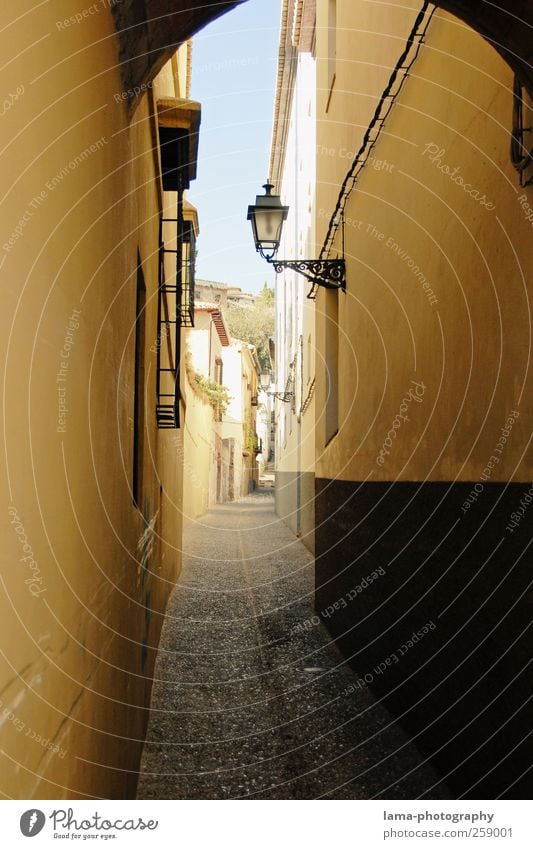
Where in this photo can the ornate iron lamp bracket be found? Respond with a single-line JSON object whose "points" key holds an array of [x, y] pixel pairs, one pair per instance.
{"points": [[286, 397], [329, 273]]}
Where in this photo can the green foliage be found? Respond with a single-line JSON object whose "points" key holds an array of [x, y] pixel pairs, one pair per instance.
{"points": [[267, 296], [254, 324], [251, 439], [217, 394]]}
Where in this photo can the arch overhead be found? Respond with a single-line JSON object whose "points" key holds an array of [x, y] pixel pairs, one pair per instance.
{"points": [[507, 24], [150, 32]]}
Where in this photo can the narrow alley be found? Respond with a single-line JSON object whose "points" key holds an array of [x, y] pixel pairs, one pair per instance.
{"points": [[267, 401], [251, 697]]}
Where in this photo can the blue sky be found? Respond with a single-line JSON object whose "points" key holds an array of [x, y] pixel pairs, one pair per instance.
{"points": [[233, 76]]}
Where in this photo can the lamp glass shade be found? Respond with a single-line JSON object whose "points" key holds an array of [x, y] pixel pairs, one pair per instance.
{"points": [[267, 216], [265, 378]]}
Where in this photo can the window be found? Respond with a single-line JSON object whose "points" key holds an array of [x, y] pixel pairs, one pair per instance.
{"points": [[521, 157], [139, 389], [218, 370]]}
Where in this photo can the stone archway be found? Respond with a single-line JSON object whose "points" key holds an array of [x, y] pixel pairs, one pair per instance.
{"points": [[507, 24], [150, 32]]}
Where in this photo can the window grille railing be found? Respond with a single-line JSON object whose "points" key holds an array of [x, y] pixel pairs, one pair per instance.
{"points": [[175, 310]]}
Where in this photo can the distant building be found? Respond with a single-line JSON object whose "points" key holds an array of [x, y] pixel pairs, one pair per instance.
{"points": [[206, 340], [210, 291], [222, 294], [239, 423], [221, 443], [240, 298], [207, 455]]}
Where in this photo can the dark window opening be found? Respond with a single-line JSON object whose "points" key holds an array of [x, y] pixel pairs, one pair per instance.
{"points": [[219, 370], [521, 157]]}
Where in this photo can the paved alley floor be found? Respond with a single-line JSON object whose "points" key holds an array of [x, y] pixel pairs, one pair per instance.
{"points": [[248, 705]]}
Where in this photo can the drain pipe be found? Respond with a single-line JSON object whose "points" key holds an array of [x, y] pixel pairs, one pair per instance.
{"points": [[299, 323], [299, 442]]}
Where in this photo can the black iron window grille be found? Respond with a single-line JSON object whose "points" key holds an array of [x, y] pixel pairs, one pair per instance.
{"points": [[521, 157], [168, 342], [175, 309], [179, 122], [186, 299]]}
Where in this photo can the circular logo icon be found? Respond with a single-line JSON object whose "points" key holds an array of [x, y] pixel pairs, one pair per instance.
{"points": [[32, 822]]}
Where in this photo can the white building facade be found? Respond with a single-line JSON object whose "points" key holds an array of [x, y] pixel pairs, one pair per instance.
{"points": [[293, 173]]}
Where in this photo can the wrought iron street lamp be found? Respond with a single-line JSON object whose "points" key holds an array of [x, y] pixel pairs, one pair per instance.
{"points": [[267, 216], [265, 379]]}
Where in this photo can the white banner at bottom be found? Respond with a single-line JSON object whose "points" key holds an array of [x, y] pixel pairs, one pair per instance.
{"points": [[262, 824]]}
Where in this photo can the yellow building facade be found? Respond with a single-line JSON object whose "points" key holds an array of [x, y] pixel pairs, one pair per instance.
{"points": [[424, 411], [422, 406], [92, 481]]}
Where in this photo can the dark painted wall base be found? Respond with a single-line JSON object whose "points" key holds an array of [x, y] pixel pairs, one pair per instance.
{"points": [[287, 499], [394, 559]]}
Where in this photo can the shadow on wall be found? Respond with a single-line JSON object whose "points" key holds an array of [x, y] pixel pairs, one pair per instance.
{"points": [[442, 633]]}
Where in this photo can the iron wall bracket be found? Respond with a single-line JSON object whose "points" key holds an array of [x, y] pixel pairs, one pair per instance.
{"points": [[329, 273]]}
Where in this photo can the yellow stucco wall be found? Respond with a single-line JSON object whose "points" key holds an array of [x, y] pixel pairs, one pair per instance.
{"points": [[250, 471], [466, 347], [197, 447], [76, 658]]}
